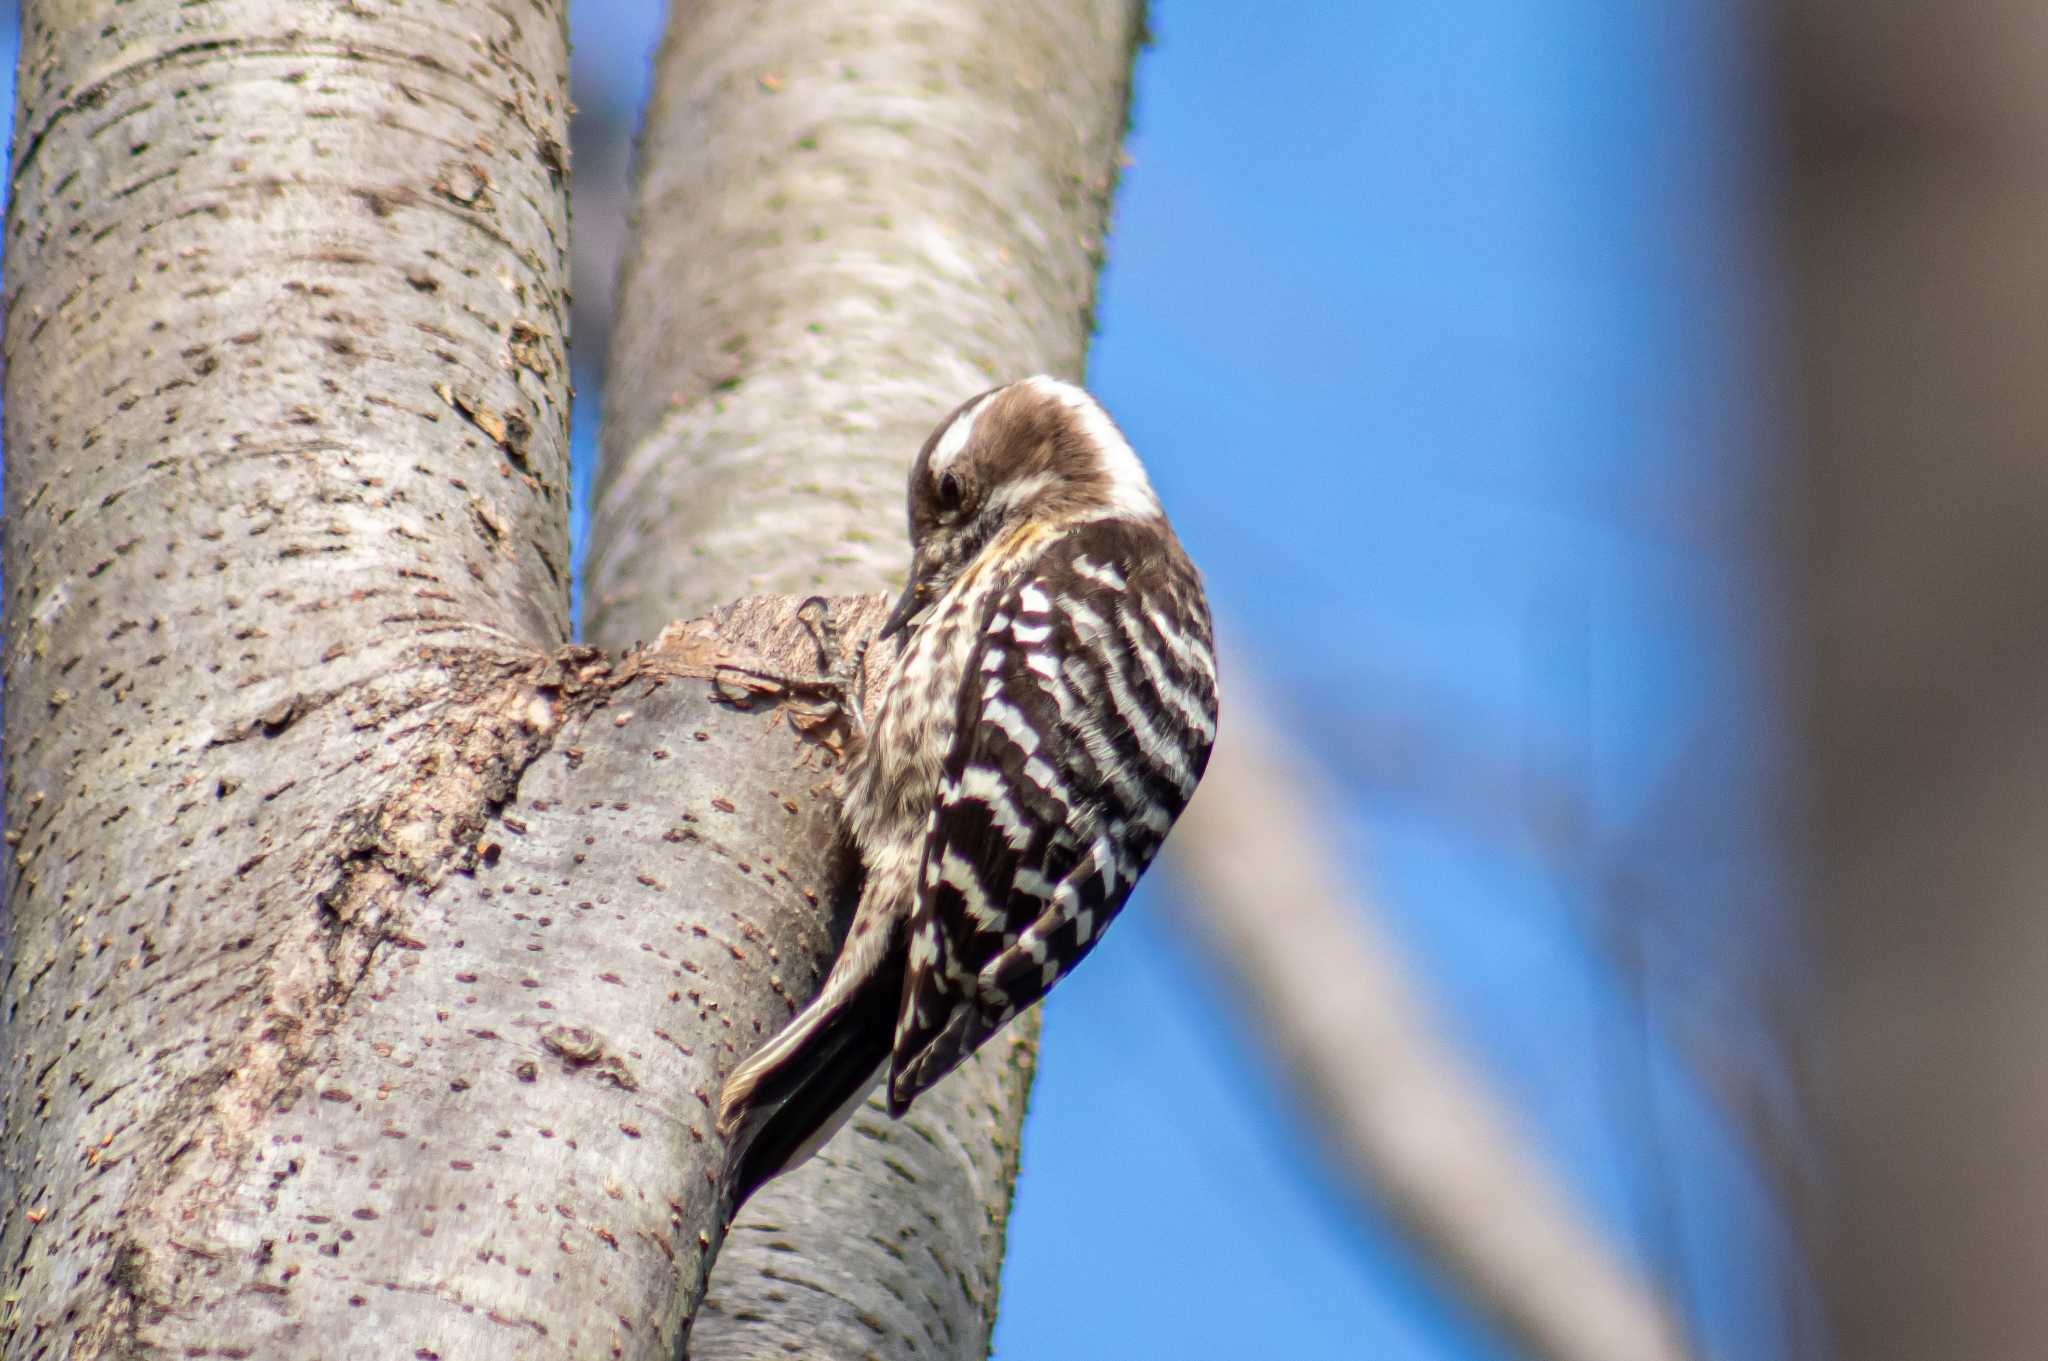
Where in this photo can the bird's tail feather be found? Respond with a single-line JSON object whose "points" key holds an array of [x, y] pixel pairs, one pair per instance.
{"points": [[786, 1100]]}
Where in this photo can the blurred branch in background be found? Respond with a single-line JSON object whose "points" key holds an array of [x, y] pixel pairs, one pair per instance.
{"points": [[1720, 984], [1403, 1114], [1917, 226]]}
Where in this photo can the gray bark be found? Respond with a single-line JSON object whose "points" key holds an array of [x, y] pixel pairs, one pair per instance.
{"points": [[849, 217], [271, 277], [1918, 190], [372, 959]]}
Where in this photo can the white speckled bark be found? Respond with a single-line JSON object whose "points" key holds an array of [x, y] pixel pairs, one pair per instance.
{"points": [[287, 469], [371, 959]]}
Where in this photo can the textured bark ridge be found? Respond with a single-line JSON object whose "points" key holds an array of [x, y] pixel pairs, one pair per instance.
{"points": [[851, 215]]}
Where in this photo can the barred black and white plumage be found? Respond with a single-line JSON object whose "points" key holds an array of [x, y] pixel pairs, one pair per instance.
{"points": [[1037, 735]]}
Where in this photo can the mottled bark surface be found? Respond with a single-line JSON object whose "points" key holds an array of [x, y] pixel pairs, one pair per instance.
{"points": [[850, 216], [1920, 272], [286, 459], [358, 997]]}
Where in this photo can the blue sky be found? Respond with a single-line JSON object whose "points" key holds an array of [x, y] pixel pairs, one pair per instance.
{"points": [[1437, 324], [1440, 327]]}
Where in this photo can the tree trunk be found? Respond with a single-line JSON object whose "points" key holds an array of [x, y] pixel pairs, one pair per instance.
{"points": [[287, 447], [1920, 309], [372, 959], [849, 217]]}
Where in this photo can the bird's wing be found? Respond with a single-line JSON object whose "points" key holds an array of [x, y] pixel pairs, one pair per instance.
{"points": [[1085, 721]]}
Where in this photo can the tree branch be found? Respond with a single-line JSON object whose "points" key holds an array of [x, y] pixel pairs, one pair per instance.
{"points": [[1405, 1116]]}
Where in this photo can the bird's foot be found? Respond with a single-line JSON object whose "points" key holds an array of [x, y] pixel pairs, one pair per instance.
{"points": [[837, 686]]}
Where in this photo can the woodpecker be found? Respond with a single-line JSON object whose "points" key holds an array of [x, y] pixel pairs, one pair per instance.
{"points": [[1038, 731]]}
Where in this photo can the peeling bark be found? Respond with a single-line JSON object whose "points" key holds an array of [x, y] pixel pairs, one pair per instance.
{"points": [[850, 215]]}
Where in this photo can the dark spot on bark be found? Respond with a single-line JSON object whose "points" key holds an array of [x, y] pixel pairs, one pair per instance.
{"points": [[575, 1044], [279, 716]]}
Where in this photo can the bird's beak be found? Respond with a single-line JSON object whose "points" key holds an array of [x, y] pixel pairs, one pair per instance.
{"points": [[915, 596], [928, 581]]}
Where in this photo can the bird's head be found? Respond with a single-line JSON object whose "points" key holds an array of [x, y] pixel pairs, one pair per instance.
{"points": [[1038, 452]]}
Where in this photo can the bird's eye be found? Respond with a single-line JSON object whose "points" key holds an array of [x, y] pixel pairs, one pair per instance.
{"points": [[949, 494]]}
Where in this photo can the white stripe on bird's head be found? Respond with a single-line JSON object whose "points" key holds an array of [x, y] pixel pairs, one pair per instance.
{"points": [[1130, 490]]}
